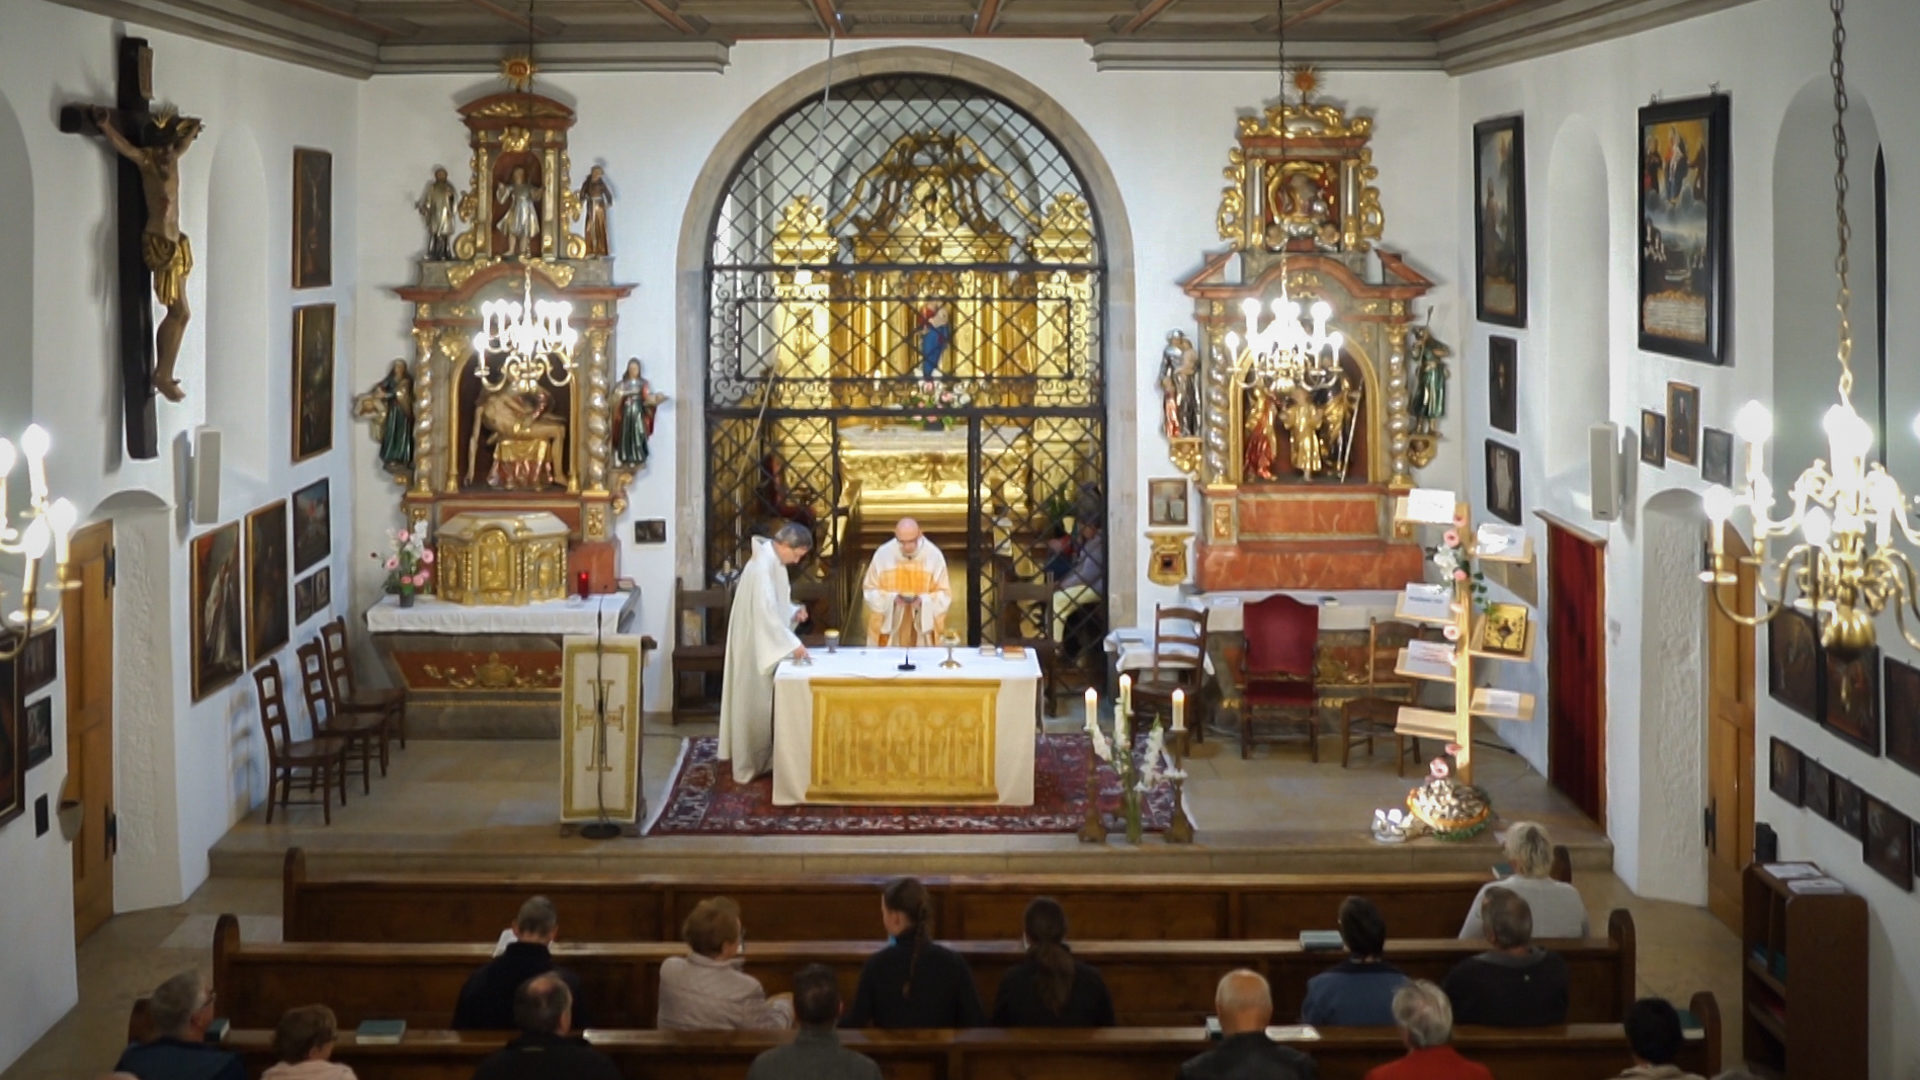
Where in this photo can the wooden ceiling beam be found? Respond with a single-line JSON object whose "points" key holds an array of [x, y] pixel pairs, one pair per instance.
{"points": [[1454, 22], [513, 17], [345, 17], [1146, 15], [666, 14], [1320, 8], [984, 18]]}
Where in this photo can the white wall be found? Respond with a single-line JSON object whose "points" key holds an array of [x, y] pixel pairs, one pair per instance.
{"points": [[185, 771]]}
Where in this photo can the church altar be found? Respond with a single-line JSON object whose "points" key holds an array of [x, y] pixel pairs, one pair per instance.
{"points": [[913, 471], [852, 728], [479, 671]]}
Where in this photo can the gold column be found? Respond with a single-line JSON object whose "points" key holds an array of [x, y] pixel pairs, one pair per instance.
{"points": [[425, 451]]}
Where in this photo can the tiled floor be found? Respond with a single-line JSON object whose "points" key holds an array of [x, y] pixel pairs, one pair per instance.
{"points": [[489, 805]]}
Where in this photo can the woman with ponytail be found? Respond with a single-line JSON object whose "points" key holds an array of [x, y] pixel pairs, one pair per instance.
{"points": [[913, 982], [1051, 989]]}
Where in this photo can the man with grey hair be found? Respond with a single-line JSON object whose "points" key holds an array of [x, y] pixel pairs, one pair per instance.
{"points": [[181, 1011], [1425, 1018], [759, 636], [487, 1000], [547, 1048], [1514, 984], [1558, 910], [1244, 1004]]}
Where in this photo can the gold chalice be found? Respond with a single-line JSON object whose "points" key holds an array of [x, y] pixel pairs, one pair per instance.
{"points": [[950, 641]]}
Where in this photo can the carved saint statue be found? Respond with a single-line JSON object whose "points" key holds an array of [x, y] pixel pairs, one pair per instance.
{"points": [[1179, 386], [390, 406], [935, 336], [1302, 420], [528, 444], [1336, 424], [1300, 209], [165, 249], [596, 195], [437, 205], [1260, 445], [633, 422], [1426, 359], [521, 221]]}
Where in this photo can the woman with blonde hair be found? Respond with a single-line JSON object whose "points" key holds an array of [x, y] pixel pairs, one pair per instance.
{"points": [[303, 1041], [705, 990], [1558, 910]]}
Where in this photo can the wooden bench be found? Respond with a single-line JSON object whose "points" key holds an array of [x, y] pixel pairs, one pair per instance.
{"points": [[1556, 1053], [826, 907], [699, 637], [1154, 983]]}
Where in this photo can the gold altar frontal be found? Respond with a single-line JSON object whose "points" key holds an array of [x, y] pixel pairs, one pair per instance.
{"points": [[920, 742]]}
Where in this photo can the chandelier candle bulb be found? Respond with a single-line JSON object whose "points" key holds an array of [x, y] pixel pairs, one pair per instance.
{"points": [[34, 443], [61, 515], [7, 459]]}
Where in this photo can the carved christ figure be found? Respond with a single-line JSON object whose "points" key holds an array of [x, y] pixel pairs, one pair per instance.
{"points": [[164, 248], [521, 222]]}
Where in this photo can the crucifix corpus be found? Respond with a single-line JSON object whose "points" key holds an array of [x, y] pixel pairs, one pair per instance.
{"points": [[152, 251]]}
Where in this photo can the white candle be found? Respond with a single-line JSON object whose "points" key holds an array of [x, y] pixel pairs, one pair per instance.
{"points": [[1126, 692], [1179, 710], [1093, 708]]}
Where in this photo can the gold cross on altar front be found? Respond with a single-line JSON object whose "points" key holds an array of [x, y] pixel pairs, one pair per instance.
{"points": [[585, 715]]}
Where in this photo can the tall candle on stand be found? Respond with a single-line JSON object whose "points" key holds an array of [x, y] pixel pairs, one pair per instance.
{"points": [[1126, 692], [1179, 709], [1093, 709]]}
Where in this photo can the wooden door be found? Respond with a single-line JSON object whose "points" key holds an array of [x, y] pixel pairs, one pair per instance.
{"points": [[1577, 668], [88, 615], [1730, 780]]}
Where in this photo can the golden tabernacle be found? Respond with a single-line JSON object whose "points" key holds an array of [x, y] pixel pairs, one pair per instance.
{"points": [[510, 559], [888, 742]]}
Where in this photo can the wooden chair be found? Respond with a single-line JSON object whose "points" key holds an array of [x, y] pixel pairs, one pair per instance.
{"points": [[699, 636], [364, 732], [349, 699], [822, 600], [1020, 625], [322, 758], [1179, 663], [1375, 712], [1283, 636]]}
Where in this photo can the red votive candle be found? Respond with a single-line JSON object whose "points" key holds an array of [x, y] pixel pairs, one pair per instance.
{"points": [[580, 584]]}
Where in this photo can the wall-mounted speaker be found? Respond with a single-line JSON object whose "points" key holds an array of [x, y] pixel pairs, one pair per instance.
{"points": [[206, 475], [1603, 470]]}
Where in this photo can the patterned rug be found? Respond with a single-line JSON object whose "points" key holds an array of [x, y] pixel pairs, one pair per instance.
{"points": [[704, 800]]}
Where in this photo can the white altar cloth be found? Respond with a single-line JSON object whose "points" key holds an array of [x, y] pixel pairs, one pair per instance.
{"points": [[1016, 708], [609, 613]]}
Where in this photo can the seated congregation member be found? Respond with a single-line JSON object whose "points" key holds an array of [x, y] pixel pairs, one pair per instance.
{"points": [[1514, 984], [547, 1049], [1655, 1034], [1359, 992], [1426, 1026], [1051, 988], [815, 1053], [181, 1010], [1244, 1004], [913, 982], [705, 990], [486, 1001], [303, 1041], [1558, 910]]}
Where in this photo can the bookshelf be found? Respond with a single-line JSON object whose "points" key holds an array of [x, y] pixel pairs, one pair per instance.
{"points": [[1803, 994], [1469, 648]]}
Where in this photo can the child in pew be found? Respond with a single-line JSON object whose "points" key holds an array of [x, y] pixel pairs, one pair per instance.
{"points": [[1359, 992], [303, 1040]]}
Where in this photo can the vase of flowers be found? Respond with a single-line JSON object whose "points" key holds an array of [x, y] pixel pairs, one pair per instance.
{"points": [[410, 565], [934, 402], [1139, 772], [1457, 567]]}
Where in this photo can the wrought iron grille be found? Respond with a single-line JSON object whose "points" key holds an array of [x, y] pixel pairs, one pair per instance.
{"points": [[913, 253]]}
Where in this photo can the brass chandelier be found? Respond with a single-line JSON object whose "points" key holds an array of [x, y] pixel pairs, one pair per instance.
{"points": [[1844, 568], [534, 338], [48, 525]]}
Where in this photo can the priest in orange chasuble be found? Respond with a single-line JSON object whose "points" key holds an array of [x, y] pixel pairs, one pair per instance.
{"points": [[906, 590]]}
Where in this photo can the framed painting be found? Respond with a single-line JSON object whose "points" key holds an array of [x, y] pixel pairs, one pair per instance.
{"points": [[312, 218], [1849, 807], [1816, 787], [219, 646], [1902, 683], [39, 661], [1653, 439], [1888, 844], [1783, 771], [1503, 482], [1793, 662], [267, 627], [312, 380], [1716, 456], [1167, 503], [1503, 384], [1500, 221], [39, 737], [1683, 423], [1683, 296], [312, 595], [312, 529], [13, 751], [1850, 699]]}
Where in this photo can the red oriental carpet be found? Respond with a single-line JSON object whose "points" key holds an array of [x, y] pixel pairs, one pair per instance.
{"points": [[704, 800]]}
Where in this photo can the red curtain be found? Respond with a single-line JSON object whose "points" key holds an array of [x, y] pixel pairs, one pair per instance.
{"points": [[1576, 669]]}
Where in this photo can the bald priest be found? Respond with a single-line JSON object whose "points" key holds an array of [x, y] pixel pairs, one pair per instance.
{"points": [[906, 590]]}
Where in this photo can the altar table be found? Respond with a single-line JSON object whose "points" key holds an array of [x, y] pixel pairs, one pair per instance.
{"points": [[852, 728]]}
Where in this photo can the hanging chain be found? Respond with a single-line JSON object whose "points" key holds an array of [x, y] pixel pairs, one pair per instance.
{"points": [[1844, 303]]}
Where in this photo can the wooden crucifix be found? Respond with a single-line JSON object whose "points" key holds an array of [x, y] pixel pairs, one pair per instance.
{"points": [[153, 255]]}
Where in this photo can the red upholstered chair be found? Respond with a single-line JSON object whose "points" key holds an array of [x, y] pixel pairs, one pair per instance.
{"points": [[1282, 637]]}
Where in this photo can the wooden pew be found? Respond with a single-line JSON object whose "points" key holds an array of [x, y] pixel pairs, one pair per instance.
{"points": [[1559, 1053], [1154, 983], [824, 907]]}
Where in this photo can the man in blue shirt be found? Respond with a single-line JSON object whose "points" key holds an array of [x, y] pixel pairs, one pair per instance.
{"points": [[181, 1011], [1359, 992]]}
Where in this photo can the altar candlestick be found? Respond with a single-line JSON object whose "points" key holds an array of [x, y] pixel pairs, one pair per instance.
{"points": [[1179, 709], [1126, 692], [1093, 708]]}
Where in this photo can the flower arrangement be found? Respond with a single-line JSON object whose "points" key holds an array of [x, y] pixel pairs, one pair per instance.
{"points": [[1456, 565], [1140, 772], [1448, 808], [410, 566], [933, 401]]}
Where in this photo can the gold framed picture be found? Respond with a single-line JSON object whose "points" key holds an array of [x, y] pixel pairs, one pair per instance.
{"points": [[312, 218], [312, 380], [1504, 629]]}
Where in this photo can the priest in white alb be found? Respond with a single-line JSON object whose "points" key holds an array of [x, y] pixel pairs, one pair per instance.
{"points": [[906, 590], [759, 635]]}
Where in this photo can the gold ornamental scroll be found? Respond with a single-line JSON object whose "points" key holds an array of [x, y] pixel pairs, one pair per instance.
{"points": [[927, 741]]}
